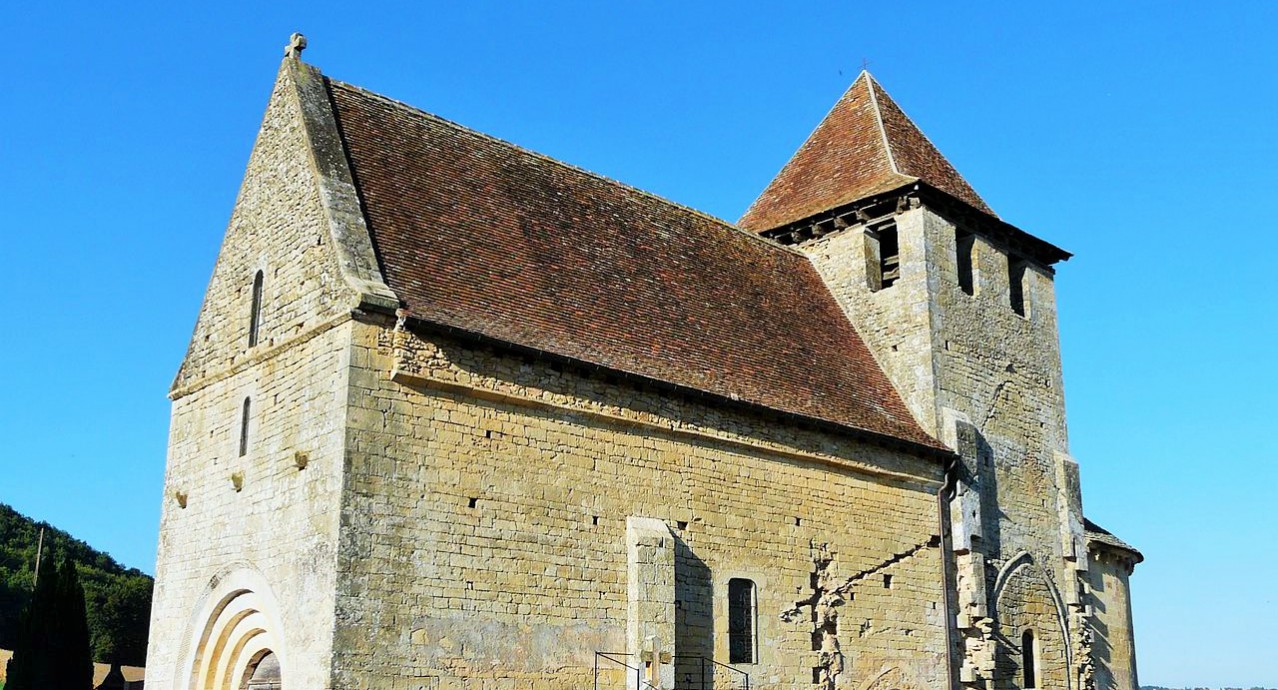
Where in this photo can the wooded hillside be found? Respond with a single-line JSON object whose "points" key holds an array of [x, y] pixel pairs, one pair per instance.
{"points": [[118, 599]]}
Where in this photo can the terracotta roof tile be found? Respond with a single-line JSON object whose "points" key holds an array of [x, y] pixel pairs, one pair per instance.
{"points": [[477, 234], [866, 145]]}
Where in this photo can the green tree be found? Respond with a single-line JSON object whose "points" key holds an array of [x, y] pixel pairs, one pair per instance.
{"points": [[118, 599], [75, 660], [52, 650], [32, 663]]}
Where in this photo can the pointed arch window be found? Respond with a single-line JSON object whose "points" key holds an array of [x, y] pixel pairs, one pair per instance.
{"points": [[255, 310], [1029, 666]]}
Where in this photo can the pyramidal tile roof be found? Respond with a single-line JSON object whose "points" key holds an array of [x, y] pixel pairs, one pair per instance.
{"points": [[866, 145], [483, 237]]}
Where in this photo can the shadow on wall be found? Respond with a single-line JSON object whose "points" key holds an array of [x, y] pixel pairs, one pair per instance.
{"points": [[694, 614], [1102, 650]]}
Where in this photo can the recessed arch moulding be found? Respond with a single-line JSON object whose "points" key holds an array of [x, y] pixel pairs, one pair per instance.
{"points": [[236, 624]]}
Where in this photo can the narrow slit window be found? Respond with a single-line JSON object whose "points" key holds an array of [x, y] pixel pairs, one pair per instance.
{"points": [[1016, 284], [965, 246], [742, 612], [255, 310], [244, 429], [1029, 671], [882, 256]]}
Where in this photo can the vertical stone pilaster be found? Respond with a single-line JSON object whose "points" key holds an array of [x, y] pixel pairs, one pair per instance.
{"points": [[972, 617], [1069, 505], [650, 610]]}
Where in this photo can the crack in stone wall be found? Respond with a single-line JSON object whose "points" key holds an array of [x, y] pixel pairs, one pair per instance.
{"points": [[828, 595]]}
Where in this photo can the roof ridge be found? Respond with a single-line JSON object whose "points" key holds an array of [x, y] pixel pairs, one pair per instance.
{"points": [[878, 113], [564, 164], [871, 82]]}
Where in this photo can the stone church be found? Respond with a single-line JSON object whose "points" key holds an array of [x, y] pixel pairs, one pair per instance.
{"points": [[458, 415]]}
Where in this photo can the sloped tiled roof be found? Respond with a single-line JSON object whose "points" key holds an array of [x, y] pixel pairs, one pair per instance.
{"points": [[477, 234], [1099, 535], [865, 146]]}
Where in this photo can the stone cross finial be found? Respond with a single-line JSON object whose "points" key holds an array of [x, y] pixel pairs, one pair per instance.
{"points": [[296, 44]]}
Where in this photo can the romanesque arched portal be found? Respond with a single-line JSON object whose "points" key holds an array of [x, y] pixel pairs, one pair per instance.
{"points": [[235, 643]]}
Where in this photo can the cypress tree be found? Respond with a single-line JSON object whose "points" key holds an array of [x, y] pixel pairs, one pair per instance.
{"points": [[31, 666], [52, 645], [73, 650]]}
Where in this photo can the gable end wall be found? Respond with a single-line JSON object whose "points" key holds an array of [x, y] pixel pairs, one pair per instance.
{"points": [[268, 519]]}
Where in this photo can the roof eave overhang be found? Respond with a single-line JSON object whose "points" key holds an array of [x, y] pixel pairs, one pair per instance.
{"points": [[1008, 236], [1115, 545]]}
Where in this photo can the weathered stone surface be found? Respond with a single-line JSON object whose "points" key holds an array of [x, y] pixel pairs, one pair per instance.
{"points": [[1114, 641], [987, 380], [412, 508], [542, 460], [276, 537]]}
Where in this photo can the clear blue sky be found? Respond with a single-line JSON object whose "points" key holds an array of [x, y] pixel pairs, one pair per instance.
{"points": [[1140, 136]]}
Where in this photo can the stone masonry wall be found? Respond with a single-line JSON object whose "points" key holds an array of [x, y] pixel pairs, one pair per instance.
{"points": [[1025, 602], [1115, 643], [281, 525], [895, 322], [961, 359], [278, 227], [1002, 371], [484, 529], [258, 530]]}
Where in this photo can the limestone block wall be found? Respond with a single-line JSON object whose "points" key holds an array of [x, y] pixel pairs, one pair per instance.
{"points": [[896, 322], [1114, 647], [1002, 370], [971, 362], [1025, 602], [279, 227], [248, 541], [651, 593], [484, 529], [257, 524]]}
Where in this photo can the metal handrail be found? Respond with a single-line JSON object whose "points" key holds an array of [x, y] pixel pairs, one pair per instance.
{"points": [[640, 683], [744, 677], [619, 658]]}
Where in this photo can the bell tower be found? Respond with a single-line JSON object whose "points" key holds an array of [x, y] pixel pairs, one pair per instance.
{"points": [[959, 309]]}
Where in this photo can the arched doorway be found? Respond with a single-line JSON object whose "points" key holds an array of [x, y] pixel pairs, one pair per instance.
{"points": [[263, 674], [236, 647]]}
